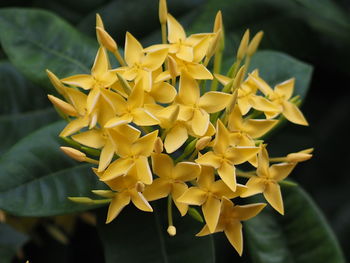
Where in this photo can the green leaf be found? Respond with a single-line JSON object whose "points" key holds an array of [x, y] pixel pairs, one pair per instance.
{"points": [[10, 242], [136, 236], [302, 235], [36, 177], [23, 106], [35, 40], [276, 67]]}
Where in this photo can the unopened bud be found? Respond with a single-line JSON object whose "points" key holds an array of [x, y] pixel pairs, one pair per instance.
{"points": [[158, 145], [63, 106], [298, 157], [81, 200], [172, 67], [125, 85], [106, 40], [242, 49], [171, 231], [163, 12], [254, 44], [238, 78], [99, 22], [218, 25], [203, 142], [74, 153], [140, 187], [2, 216], [214, 44], [56, 82]]}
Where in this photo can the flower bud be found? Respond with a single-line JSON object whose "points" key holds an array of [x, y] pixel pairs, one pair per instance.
{"points": [[203, 142], [56, 82], [254, 44], [158, 145], [74, 153], [63, 106], [106, 40], [301, 156], [218, 25], [214, 44], [171, 231], [172, 67], [242, 49], [163, 12]]}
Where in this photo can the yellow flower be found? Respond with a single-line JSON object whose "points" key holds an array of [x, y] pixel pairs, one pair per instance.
{"points": [[224, 157], [280, 96], [140, 66], [171, 179], [107, 139], [133, 154], [208, 194], [246, 96], [131, 110], [267, 179], [101, 77], [230, 221], [127, 188], [195, 109], [190, 49], [243, 131]]}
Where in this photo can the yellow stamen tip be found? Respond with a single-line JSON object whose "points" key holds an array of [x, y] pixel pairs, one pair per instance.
{"points": [[171, 231]]}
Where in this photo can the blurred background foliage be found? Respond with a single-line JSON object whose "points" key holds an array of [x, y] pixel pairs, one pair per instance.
{"points": [[314, 31]]}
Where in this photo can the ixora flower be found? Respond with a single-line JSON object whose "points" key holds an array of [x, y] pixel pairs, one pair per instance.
{"points": [[160, 126]]}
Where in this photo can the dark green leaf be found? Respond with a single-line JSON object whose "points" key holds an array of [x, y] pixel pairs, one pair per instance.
{"points": [[302, 235], [10, 242], [36, 177], [35, 40], [23, 106], [136, 236]]}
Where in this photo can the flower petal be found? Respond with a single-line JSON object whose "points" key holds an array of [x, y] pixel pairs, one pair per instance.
{"points": [[233, 232], [82, 81], [211, 211], [91, 138], [145, 145], [175, 30], [175, 138], [140, 201], [198, 71], [257, 128], [186, 171], [255, 185], [154, 60], [133, 50], [210, 159], [159, 188], [144, 173], [143, 117], [101, 63], [273, 196], [74, 126], [280, 171], [285, 89], [193, 196], [117, 168], [162, 165], [106, 156], [163, 92], [214, 101], [116, 206], [92, 99], [227, 173], [293, 114], [185, 53], [188, 90], [178, 189], [200, 122]]}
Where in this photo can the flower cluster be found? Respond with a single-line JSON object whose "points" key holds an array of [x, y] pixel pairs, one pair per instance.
{"points": [[160, 127]]}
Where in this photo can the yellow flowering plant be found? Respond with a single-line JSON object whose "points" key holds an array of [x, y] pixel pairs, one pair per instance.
{"points": [[166, 123]]}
